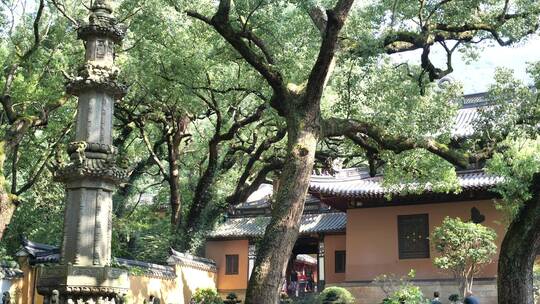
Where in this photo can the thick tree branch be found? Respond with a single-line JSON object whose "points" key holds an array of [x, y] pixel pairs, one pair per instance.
{"points": [[432, 33], [249, 35], [36, 174], [319, 18], [62, 9], [220, 22], [242, 192], [254, 158], [319, 73], [151, 151], [350, 128], [242, 123], [7, 105], [14, 165], [37, 37]]}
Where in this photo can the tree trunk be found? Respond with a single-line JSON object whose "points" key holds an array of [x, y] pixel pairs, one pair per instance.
{"points": [[121, 196], [7, 205], [7, 208], [282, 232], [518, 253], [462, 283], [8, 145], [174, 184], [174, 139]]}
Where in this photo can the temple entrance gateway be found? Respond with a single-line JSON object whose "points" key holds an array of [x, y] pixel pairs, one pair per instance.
{"points": [[233, 245], [304, 273]]}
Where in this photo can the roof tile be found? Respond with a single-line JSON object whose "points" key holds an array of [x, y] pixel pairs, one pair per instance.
{"points": [[255, 226], [361, 187]]}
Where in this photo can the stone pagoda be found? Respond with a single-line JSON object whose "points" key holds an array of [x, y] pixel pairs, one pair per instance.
{"points": [[85, 274]]}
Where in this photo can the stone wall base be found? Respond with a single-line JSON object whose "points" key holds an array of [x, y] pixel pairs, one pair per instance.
{"points": [[371, 293], [82, 284]]}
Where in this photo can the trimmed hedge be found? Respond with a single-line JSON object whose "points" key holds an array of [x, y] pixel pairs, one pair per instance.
{"points": [[335, 295]]}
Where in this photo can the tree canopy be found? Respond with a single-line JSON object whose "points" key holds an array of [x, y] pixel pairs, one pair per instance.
{"points": [[227, 95]]}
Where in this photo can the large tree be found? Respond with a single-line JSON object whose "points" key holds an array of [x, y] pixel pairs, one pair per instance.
{"points": [[34, 118], [377, 28], [201, 119], [215, 87]]}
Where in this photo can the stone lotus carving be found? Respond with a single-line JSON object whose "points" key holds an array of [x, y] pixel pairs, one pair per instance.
{"points": [[97, 300], [98, 73], [101, 23], [92, 160], [95, 76]]}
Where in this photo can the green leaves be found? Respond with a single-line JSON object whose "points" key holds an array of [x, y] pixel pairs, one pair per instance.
{"points": [[207, 296], [518, 162], [388, 95], [335, 295], [415, 171], [463, 247]]}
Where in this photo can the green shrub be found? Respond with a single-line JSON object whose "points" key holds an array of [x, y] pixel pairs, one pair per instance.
{"points": [[463, 248], [232, 298], [207, 296], [453, 298], [409, 294], [335, 295], [400, 290]]}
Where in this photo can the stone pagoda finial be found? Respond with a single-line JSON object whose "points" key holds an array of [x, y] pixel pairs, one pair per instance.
{"points": [[85, 274], [102, 5]]}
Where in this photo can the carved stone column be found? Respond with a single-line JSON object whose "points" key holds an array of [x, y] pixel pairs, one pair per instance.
{"points": [[252, 255], [84, 274], [320, 265]]}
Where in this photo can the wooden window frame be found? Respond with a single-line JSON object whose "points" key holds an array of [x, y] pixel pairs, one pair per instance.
{"points": [[338, 269], [425, 253], [235, 264]]}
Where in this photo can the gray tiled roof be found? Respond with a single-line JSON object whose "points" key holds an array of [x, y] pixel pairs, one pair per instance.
{"points": [[255, 226], [39, 253], [463, 122], [10, 272], [475, 100], [465, 117], [149, 269], [184, 259], [43, 254], [311, 202], [258, 204], [367, 187]]}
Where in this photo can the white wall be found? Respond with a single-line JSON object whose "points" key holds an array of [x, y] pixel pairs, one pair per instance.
{"points": [[4, 286]]}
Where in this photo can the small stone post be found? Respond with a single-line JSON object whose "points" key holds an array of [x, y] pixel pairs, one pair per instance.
{"points": [[84, 274]]}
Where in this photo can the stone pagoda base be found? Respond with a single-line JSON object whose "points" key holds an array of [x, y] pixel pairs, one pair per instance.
{"points": [[68, 284]]}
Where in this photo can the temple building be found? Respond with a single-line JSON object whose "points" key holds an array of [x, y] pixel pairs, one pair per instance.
{"points": [[356, 229]]}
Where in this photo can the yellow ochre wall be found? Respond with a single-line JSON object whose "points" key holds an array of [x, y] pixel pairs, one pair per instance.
{"points": [[333, 243], [188, 280], [16, 290], [217, 250], [24, 288], [170, 290], [372, 239]]}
